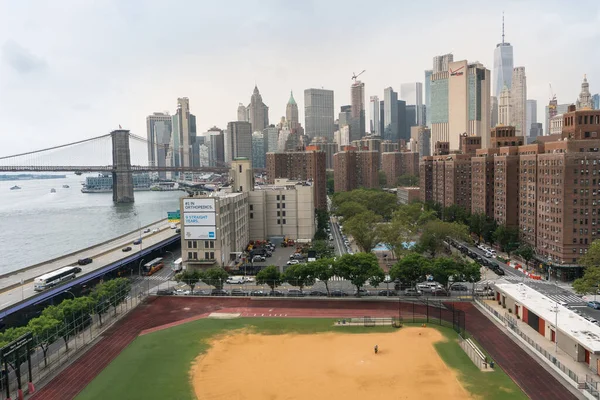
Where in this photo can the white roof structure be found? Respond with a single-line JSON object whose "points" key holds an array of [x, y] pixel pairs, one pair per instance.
{"points": [[569, 323]]}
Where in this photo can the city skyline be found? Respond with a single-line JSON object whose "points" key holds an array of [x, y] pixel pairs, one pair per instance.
{"points": [[56, 74]]}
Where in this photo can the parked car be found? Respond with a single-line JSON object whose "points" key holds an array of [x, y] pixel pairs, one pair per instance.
{"points": [[387, 293], [594, 304], [412, 292], [276, 293], [125, 249], [137, 241], [257, 293], [459, 287], [238, 292], [84, 261], [483, 291], [499, 271], [440, 292], [235, 280], [338, 293], [258, 258], [293, 262], [218, 292], [362, 293], [295, 293], [164, 292], [317, 293]]}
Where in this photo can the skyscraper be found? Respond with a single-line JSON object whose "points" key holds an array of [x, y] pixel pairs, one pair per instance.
{"points": [[412, 94], [374, 114], [596, 101], [428, 74], [441, 63], [215, 141], [357, 114], [585, 98], [493, 111], [291, 112], [531, 116], [183, 136], [403, 121], [552, 110], [158, 131], [258, 150], [505, 107], [390, 123], [460, 103], [518, 97], [258, 112], [271, 139], [318, 113], [503, 65], [238, 140], [242, 113]]}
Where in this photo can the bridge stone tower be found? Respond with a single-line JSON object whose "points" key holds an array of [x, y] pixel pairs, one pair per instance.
{"points": [[122, 176]]}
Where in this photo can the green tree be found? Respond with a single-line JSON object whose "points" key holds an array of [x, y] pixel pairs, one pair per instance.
{"points": [[477, 223], [592, 257], [45, 332], [393, 234], [407, 180], [330, 182], [360, 268], [215, 276], [322, 224], [382, 179], [322, 248], [413, 217], [443, 268], [434, 234], [299, 275], [323, 270], [374, 200], [190, 277], [269, 276], [114, 291], [526, 253], [456, 213], [507, 238], [101, 302], [590, 282], [72, 313], [489, 227], [364, 230], [349, 209], [410, 269]]}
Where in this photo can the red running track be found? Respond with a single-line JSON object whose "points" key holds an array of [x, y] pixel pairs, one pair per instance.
{"points": [[535, 381]]}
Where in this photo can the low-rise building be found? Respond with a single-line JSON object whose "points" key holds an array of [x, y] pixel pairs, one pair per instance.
{"points": [[407, 195]]}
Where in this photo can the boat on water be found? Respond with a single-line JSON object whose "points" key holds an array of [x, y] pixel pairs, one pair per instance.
{"points": [[16, 187], [52, 190], [66, 186]]}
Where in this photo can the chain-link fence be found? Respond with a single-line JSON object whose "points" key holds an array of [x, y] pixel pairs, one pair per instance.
{"points": [[62, 344]]}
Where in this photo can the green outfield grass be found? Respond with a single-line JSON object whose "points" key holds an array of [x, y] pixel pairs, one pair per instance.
{"points": [[157, 365]]}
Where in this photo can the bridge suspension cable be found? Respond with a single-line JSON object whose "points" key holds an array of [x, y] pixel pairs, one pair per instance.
{"points": [[55, 147]]}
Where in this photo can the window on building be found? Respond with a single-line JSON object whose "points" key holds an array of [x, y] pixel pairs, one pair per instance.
{"points": [[206, 255], [277, 205], [278, 197], [206, 244], [283, 197], [251, 207], [251, 215], [190, 256], [278, 222], [278, 213], [212, 255], [282, 205], [284, 221], [240, 168], [195, 255], [283, 213]]}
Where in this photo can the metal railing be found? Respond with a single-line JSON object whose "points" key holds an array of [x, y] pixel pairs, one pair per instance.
{"points": [[476, 355]]}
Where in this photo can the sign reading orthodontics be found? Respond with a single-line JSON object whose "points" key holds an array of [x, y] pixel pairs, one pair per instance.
{"points": [[199, 219]]}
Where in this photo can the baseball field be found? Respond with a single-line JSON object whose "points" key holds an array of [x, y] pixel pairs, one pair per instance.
{"points": [[296, 358]]}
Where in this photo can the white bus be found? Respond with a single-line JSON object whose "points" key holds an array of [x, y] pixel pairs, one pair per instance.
{"points": [[54, 278], [177, 265]]}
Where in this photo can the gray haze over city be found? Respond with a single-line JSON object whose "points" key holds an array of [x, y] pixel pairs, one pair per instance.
{"points": [[72, 69]]}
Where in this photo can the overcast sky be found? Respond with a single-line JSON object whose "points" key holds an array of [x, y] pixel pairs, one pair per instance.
{"points": [[73, 69]]}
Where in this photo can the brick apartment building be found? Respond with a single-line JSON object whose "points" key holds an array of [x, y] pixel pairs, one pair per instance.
{"points": [[549, 190], [396, 164], [301, 166], [329, 148], [354, 169], [502, 136]]}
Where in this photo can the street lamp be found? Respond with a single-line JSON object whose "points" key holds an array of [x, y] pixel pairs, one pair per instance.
{"points": [[140, 267], [71, 293]]}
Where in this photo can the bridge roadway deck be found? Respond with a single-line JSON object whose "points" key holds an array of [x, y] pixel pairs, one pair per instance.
{"points": [[12, 292]]}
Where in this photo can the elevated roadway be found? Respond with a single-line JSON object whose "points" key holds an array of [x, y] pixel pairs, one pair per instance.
{"points": [[106, 257]]}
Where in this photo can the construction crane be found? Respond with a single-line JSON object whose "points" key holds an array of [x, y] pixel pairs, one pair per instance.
{"points": [[354, 76], [552, 94]]}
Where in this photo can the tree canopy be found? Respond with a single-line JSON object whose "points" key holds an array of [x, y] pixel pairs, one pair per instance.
{"points": [[299, 275], [190, 277], [407, 180], [592, 257], [507, 238], [215, 276], [434, 233], [269, 276], [323, 269], [411, 269], [374, 200], [589, 283], [364, 230], [360, 268]]}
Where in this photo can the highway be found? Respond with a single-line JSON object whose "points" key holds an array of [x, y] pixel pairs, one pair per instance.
{"points": [[102, 255]]}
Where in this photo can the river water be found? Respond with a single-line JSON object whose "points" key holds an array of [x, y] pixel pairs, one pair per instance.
{"points": [[36, 225]]}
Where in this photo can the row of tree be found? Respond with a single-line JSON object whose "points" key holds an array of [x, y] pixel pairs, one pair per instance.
{"points": [[64, 320]]}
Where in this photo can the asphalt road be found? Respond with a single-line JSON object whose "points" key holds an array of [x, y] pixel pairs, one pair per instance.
{"points": [[114, 254]]}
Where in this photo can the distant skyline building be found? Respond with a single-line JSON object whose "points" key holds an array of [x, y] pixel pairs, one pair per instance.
{"points": [[503, 65], [258, 150], [374, 115], [412, 94], [271, 139], [318, 113], [238, 140], [242, 113], [505, 107], [214, 140], [518, 97], [441, 63], [181, 148], [291, 112], [494, 111], [427, 88], [258, 112], [158, 134], [552, 110], [596, 101], [585, 97], [531, 116], [390, 113], [460, 103], [357, 113]]}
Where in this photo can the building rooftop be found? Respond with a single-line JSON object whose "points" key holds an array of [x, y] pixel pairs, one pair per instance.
{"points": [[570, 323]]}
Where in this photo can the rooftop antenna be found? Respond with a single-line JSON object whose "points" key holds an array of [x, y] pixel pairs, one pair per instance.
{"points": [[502, 27]]}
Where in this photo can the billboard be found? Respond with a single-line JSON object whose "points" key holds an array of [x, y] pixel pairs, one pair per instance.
{"points": [[198, 205], [173, 216], [200, 233], [199, 219]]}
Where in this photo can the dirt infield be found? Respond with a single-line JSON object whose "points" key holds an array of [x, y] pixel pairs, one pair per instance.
{"points": [[535, 381], [327, 366]]}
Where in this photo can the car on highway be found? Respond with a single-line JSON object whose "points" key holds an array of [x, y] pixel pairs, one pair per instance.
{"points": [[498, 270], [178, 230], [147, 230], [155, 230], [439, 292], [84, 261], [137, 241], [412, 292], [125, 249], [293, 262], [164, 292], [173, 226], [594, 304]]}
